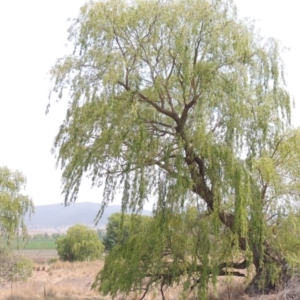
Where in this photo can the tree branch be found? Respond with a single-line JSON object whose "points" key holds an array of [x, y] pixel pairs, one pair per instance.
{"points": [[160, 109]]}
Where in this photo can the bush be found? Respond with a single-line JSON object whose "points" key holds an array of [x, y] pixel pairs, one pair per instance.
{"points": [[23, 268], [79, 244], [52, 260], [14, 267]]}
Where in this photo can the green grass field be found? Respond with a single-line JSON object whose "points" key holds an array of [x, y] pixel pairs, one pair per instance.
{"points": [[35, 244], [41, 244]]}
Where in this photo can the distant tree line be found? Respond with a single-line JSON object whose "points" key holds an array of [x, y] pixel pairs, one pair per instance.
{"points": [[45, 235]]}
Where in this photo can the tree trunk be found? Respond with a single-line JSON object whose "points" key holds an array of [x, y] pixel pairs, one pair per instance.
{"points": [[271, 275], [256, 288]]}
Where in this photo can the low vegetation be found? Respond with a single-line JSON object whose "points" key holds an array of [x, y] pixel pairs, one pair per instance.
{"points": [[14, 267], [79, 244], [72, 281], [58, 280]]}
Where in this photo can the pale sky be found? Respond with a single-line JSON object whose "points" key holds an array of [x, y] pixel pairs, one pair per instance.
{"points": [[33, 34]]}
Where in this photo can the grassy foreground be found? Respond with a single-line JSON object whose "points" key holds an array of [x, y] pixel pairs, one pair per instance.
{"points": [[60, 280], [72, 281]]}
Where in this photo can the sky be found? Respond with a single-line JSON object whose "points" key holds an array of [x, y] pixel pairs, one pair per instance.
{"points": [[33, 35]]}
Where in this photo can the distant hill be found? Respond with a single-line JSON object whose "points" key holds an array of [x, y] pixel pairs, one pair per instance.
{"points": [[58, 216]]}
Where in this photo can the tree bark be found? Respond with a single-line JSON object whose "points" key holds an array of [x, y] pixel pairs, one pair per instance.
{"points": [[264, 282]]}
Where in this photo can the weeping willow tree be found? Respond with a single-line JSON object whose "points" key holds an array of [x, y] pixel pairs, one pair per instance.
{"points": [[13, 207], [182, 103]]}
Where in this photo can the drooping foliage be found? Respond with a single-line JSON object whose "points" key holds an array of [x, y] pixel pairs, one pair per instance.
{"points": [[79, 244], [14, 206], [120, 226], [181, 102], [164, 251]]}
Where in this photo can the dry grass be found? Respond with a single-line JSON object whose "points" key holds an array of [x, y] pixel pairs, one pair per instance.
{"points": [[61, 280], [229, 288], [72, 281], [226, 289], [291, 291]]}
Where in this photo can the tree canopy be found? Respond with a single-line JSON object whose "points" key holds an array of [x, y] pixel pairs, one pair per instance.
{"points": [[120, 226], [184, 103], [14, 206], [79, 244]]}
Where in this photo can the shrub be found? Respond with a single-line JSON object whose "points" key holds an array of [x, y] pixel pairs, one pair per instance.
{"points": [[79, 244], [14, 267]]}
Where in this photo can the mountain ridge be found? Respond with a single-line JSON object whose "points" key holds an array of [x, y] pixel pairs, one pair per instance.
{"points": [[58, 216]]}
